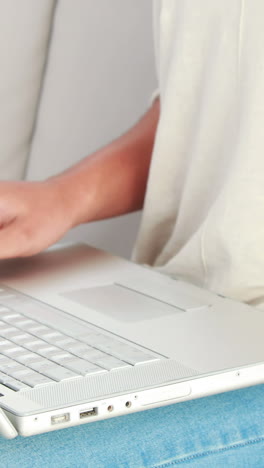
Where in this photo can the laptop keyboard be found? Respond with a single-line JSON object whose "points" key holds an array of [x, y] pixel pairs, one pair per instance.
{"points": [[33, 353]]}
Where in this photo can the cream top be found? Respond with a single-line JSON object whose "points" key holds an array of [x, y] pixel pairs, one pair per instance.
{"points": [[203, 218]]}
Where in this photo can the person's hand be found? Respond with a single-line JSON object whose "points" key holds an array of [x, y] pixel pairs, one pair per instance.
{"points": [[33, 215]]}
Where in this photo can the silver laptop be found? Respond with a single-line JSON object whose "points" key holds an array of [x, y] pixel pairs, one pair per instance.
{"points": [[86, 336]]}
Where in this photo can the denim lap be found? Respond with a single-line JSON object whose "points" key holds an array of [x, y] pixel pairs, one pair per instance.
{"points": [[220, 430]]}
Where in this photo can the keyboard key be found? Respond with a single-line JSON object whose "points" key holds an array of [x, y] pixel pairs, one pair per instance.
{"points": [[15, 384], [131, 355], [48, 315], [27, 358], [81, 366], [7, 332], [47, 368], [69, 361], [104, 343], [25, 323], [34, 379], [52, 370], [60, 355], [93, 355], [37, 329], [79, 348], [2, 357], [34, 344], [4, 344], [64, 341], [120, 350], [26, 375], [57, 372], [10, 316], [6, 364], [96, 339], [18, 372], [46, 350], [12, 351], [12, 383], [20, 337], [5, 326], [49, 335], [110, 363]]}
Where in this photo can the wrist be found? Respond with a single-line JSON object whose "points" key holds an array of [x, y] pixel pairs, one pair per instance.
{"points": [[73, 197]]}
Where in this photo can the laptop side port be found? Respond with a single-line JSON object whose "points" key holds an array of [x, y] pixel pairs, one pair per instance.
{"points": [[60, 418], [88, 413]]}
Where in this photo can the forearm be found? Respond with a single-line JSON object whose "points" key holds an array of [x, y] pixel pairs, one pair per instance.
{"points": [[113, 180]]}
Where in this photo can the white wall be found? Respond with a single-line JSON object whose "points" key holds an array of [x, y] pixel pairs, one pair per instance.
{"points": [[99, 76]]}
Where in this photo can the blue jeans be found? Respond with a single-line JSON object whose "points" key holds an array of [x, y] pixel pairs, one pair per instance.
{"points": [[221, 430]]}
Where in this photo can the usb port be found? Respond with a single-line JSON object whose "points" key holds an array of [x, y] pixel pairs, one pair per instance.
{"points": [[60, 418], [89, 412]]}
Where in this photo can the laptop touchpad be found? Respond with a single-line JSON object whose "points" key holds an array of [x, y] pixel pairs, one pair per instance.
{"points": [[121, 302]]}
